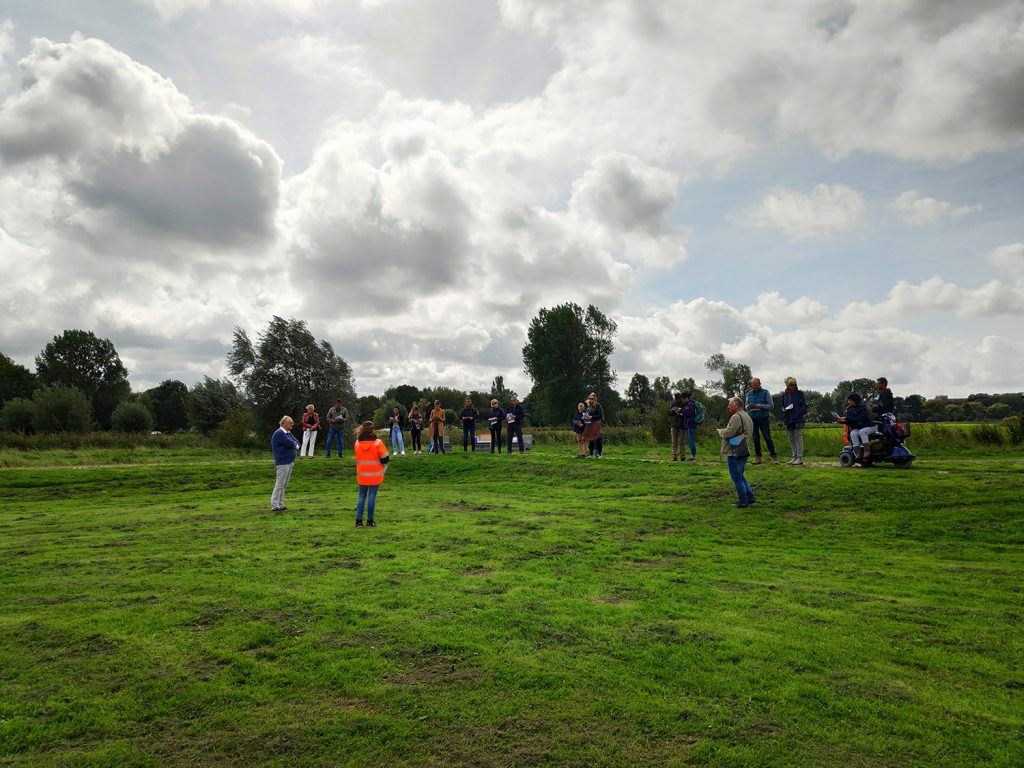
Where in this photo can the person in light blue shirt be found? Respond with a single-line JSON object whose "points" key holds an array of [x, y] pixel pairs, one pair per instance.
{"points": [[283, 445], [759, 406]]}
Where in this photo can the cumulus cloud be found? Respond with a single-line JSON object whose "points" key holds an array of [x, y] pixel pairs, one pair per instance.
{"points": [[826, 209], [1009, 259], [918, 210], [6, 47]]}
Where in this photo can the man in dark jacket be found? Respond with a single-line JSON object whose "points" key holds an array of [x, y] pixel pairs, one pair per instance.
{"points": [[682, 414], [885, 402], [469, 415], [794, 415], [515, 415]]}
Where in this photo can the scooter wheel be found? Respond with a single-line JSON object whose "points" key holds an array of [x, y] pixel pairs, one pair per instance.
{"points": [[845, 459]]}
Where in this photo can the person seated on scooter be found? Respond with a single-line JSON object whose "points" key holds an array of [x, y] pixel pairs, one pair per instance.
{"points": [[859, 423]]}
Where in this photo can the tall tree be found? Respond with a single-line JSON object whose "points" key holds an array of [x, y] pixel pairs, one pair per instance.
{"points": [[567, 354], [15, 380], [735, 377], [286, 369], [499, 391], [80, 359], [662, 389], [639, 393], [168, 402], [210, 401], [863, 387]]}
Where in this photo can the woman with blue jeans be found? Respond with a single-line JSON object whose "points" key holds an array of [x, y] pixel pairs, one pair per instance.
{"points": [[735, 445], [397, 423]]}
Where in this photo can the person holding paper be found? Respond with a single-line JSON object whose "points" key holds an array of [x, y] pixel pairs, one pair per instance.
{"points": [[337, 415], [495, 420], [794, 415], [515, 415]]}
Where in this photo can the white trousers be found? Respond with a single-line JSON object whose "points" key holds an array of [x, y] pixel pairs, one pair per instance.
{"points": [[860, 436], [308, 442]]}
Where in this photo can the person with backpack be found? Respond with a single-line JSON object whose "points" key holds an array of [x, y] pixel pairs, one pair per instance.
{"points": [[683, 415], [794, 415], [371, 464], [736, 447]]}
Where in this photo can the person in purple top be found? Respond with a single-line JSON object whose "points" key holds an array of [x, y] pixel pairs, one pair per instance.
{"points": [[683, 414]]}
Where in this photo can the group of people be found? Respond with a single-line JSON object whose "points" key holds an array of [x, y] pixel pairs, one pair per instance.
{"points": [[749, 421], [750, 418], [511, 418]]}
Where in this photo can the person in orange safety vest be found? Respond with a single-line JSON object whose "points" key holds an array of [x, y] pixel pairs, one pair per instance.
{"points": [[371, 464]]}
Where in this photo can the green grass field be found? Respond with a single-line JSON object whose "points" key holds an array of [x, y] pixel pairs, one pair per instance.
{"points": [[512, 611]]}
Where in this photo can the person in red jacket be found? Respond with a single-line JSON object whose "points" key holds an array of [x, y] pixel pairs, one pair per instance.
{"points": [[371, 464], [310, 426]]}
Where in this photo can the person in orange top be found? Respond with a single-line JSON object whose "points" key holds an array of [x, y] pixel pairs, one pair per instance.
{"points": [[371, 464], [437, 427]]}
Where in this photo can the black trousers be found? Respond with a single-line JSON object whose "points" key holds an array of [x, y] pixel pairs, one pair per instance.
{"points": [[438, 439], [496, 437], [417, 443], [468, 435], [596, 447], [515, 430]]}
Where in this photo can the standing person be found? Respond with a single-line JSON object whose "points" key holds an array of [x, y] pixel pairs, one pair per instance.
{"points": [[469, 415], [886, 402], [337, 415], [415, 430], [577, 428], [593, 417], [310, 426], [371, 464], [283, 445], [794, 414], [682, 416], [689, 425], [859, 423], [437, 428], [495, 418], [396, 422], [735, 444], [759, 406], [515, 415]]}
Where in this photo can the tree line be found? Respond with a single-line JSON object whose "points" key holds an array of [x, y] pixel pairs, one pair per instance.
{"points": [[80, 384]]}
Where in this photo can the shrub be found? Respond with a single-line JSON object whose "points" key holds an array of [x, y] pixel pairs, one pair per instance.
{"points": [[237, 430], [16, 415], [1015, 428], [131, 417], [60, 408], [659, 422]]}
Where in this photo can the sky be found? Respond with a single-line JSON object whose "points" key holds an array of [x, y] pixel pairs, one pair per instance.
{"points": [[828, 189]]}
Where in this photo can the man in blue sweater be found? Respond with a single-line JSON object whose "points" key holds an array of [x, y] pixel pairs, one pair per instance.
{"points": [[759, 406], [283, 445]]}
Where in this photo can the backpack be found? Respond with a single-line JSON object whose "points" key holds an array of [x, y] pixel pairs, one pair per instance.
{"points": [[698, 417]]}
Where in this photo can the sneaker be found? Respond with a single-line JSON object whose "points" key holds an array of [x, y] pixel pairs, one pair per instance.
{"points": [[359, 523], [775, 459], [757, 460], [741, 505], [692, 458], [403, 453], [798, 462], [674, 459], [370, 524]]}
